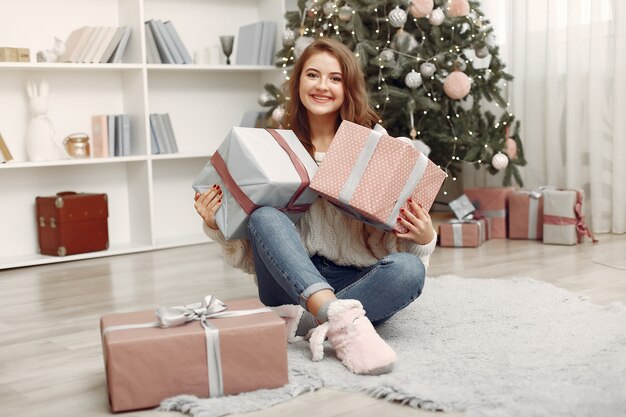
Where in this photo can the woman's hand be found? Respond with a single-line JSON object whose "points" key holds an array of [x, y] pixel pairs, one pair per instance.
{"points": [[207, 203], [418, 221]]}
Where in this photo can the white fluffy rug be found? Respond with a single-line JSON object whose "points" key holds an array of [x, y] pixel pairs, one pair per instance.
{"points": [[483, 346]]}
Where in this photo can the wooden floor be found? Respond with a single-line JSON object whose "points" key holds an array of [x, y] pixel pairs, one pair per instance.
{"points": [[50, 354]]}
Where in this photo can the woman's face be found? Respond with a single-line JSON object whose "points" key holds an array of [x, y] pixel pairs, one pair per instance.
{"points": [[321, 85]]}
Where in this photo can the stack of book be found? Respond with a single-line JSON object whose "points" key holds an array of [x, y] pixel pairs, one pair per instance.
{"points": [[162, 134], [96, 44], [163, 44], [256, 43], [110, 135]]}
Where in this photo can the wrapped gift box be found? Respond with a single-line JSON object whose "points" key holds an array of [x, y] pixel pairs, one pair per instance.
{"points": [[462, 207], [370, 175], [146, 364], [526, 215], [463, 233], [563, 217], [258, 167], [491, 202]]}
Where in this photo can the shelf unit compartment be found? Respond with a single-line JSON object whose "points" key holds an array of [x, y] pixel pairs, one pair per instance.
{"points": [[22, 17], [72, 99], [175, 218], [20, 187], [210, 20], [203, 106]]}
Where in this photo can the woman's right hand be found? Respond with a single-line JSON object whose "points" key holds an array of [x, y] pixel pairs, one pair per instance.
{"points": [[208, 203]]}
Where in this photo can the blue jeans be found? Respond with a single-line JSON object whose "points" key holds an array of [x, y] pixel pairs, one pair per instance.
{"points": [[287, 275]]}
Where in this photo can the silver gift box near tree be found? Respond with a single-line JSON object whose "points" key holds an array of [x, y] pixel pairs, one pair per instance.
{"points": [[258, 167]]}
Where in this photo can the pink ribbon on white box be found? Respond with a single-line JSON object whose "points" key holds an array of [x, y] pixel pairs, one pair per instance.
{"points": [[244, 201], [578, 220], [209, 308]]}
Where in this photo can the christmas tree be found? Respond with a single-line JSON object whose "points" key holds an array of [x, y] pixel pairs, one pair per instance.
{"points": [[432, 68]]}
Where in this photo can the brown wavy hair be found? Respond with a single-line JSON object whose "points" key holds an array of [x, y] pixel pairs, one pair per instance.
{"points": [[355, 107]]}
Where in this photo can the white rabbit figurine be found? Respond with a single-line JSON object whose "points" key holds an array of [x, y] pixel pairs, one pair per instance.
{"points": [[41, 142]]}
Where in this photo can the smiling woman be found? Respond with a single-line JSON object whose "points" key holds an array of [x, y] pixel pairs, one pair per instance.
{"points": [[329, 270]]}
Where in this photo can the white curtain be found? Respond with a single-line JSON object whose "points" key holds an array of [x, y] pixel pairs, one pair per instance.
{"points": [[568, 58]]}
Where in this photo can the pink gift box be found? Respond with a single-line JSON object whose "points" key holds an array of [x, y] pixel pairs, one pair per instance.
{"points": [[146, 364], [371, 175], [491, 202], [463, 233], [526, 215]]}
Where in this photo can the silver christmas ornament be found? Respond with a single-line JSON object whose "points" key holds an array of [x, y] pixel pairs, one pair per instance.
{"points": [[413, 79], [404, 41], [499, 161], [277, 114], [345, 13], [300, 45], [288, 37], [460, 64], [437, 17], [386, 55], [427, 69], [265, 98], [329, 8], [481, 52], [397, 17]]}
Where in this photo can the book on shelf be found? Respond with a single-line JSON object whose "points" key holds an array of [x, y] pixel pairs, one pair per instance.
{"points": [[178, 43], [75, 43], [116, 58], [111, 133], [89, 47], [96, 44], [152, 53], [169, 42], [107, 38], [249, 44], [154, 145], [164, 137], [122, 135], [164, 52], [100, 136], [108, 52], [5, 154], [268, 43], [169, 132], [251, 118], [256, 43]]}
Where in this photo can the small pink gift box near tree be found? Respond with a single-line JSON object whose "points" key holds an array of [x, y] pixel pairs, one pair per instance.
{"points": [[371, 175]]}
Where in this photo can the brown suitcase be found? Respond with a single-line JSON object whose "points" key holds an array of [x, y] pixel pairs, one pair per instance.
{"points": [[71, 223]]}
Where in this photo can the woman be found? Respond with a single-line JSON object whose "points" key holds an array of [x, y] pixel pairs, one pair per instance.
{"points": [[334, 266]]}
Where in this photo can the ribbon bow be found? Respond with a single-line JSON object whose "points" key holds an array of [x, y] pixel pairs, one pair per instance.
{"points": [[210, 306]]}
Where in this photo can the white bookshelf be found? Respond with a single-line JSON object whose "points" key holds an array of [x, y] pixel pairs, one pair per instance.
{"points": [[150, 196]]}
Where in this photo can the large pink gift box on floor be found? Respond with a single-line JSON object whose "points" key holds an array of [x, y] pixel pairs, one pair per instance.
{"points": [[492, 202], [370, 175], [526, 215], [146, 364]]}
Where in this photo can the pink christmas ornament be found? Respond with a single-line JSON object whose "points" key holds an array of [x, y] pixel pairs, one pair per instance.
{"points": [[421, 8], [457, 85], [510, 148], [458, 8]]}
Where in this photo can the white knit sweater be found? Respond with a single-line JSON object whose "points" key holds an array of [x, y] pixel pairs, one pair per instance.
{"points": [[325, 230]]}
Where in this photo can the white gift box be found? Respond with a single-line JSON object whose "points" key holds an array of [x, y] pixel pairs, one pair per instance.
{"points": [[255, 168]]}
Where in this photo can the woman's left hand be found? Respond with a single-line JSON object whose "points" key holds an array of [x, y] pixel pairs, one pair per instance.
{"points": [[418, 221]]}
